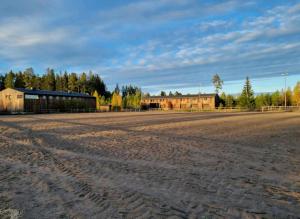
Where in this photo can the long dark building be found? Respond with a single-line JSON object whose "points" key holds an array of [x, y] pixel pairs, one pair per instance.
{"points": [[43, 101]]}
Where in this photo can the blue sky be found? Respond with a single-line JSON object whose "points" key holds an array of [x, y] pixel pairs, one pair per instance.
{"points": [[156, 44]]}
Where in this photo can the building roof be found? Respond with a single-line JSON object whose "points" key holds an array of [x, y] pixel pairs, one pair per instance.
{"points": [[52, 93], [181, 96]]}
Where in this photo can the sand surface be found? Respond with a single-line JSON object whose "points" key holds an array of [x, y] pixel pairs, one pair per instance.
{"points": [[150, 165]]}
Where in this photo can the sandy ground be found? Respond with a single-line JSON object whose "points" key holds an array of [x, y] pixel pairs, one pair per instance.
{"points": [[150, 165]]}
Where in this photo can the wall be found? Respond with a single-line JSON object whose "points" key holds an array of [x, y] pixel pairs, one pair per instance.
{"points": [[11, 100], [195, 102]]}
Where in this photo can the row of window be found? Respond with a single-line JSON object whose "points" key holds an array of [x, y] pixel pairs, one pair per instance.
{"points": [[177, 100]]}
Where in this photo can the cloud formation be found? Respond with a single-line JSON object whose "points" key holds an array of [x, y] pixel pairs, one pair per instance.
{"points": [[154, 44]]}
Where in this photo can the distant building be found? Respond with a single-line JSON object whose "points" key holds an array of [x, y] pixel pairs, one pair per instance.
{"points": [[185, 102], [43, 101]]}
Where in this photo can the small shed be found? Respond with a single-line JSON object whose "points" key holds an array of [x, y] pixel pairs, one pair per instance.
{"points": [[42, 101]]}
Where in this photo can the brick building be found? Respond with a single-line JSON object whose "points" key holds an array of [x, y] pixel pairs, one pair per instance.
{"points": [[185, 102]]}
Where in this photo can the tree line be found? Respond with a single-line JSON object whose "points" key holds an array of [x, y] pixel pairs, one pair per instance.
{"points": [[89, 83], [247, 99], [130, 96]]}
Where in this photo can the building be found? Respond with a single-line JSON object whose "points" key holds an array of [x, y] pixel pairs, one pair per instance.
{"points": [[42, 101], [185, 102]]}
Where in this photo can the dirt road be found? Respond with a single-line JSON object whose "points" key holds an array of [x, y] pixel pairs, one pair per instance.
{"points": [[150, 165]]}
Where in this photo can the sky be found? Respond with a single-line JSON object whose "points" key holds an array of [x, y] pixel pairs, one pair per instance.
{"points": [[157, 44]]}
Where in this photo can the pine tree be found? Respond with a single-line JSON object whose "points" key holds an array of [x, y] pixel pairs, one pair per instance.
{"points": [[19, 80], [59, 82], [83, 83], [49, 81], [117, 89], [247, 97], [29, 78], [73, 82], [163, 93], [2, 78], [9, 81], [65, 80]]}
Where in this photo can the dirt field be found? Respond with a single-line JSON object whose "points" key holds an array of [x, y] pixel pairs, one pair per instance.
{"points": [[150, 165]]}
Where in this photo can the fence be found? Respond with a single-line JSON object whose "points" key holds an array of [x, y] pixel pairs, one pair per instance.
{"points": [[217, 109], [280, 108]]}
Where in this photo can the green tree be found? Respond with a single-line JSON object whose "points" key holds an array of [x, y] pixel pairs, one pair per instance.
{"points": [[59, 82], [163, 93], [217, 82], [223, 98], [276, 99], [73, 82], [9, 81], [177, 93], [117, 89], [49, 80], [230, 101], [65, 80], [2, 78], [289, 97], [19, 80], [263, 100], [83, 83], [29, 78], [246, 99]]}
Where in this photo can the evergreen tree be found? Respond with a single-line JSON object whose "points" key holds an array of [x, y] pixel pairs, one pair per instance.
{"points": [[117, 89], [223, 98], [247, 97], [2, 78], [163, 93], [59, 82], [83, 83], [49, 80], [65, 84], [19, 80], [36, 82], [29, 78], [73, 82], [9, 81], [289, 97]]}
